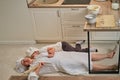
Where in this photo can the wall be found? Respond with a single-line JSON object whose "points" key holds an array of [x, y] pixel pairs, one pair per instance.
{"points": [[15, 22]]}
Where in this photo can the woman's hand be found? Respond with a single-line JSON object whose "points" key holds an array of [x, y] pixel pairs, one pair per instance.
{"points": [[51, 52]]}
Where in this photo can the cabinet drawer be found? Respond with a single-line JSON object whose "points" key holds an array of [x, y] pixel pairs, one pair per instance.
{"points": [[105, 35], [74, 32], [73, 14]]}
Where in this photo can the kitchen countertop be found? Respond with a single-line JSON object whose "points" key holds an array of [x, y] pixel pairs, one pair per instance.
{"points": [[105, 7], [106, 10]]}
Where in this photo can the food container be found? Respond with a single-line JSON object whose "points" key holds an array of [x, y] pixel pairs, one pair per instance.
{"points": [[115, 4], [91, 18], [94, 9]]}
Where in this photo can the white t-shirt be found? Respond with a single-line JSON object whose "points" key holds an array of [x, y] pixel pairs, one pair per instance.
{"points": [[57, 46]]}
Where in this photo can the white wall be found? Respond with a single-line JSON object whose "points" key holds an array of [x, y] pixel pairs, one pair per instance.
{"points": [[15, 22]]}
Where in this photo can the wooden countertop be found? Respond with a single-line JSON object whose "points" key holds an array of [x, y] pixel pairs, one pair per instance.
{"points": [[105, 6], [106, 10]]}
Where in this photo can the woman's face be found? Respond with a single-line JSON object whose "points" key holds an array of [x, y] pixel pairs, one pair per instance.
{"points": [[26, 61]]}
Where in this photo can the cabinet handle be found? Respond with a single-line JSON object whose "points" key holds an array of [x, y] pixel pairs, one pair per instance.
{"points": [[74, 8], [58, 13], [75, 26]]}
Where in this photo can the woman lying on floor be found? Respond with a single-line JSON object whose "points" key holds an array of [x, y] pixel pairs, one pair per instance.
{"points": [[72, 63]]}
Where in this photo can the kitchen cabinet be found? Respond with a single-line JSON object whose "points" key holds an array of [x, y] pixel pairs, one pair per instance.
{"points": [[47, 24], [72, 20], [59, 23], [66, 24]]}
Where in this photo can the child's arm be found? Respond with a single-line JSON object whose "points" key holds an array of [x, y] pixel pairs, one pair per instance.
{"points": [[41, 64], [34, 75]]}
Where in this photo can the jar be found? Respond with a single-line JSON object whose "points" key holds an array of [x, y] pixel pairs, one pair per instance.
{"points": [[115, 4]]}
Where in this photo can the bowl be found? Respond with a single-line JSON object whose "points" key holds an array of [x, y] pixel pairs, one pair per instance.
{"points": [[91, 18], [93, 9]]}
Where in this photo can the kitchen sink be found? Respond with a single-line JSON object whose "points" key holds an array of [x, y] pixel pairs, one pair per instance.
{"points": [[73, 2], [47, 1]]}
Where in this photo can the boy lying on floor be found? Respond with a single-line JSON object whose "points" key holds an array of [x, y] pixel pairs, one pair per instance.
{"points": [[62, 46], [59, 46]]}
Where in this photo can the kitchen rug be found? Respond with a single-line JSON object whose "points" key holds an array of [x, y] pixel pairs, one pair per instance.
{"points": [[81, 77]]}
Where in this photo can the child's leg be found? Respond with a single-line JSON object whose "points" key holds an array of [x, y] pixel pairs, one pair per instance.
{"points": [[67, 47], [79, 49]]}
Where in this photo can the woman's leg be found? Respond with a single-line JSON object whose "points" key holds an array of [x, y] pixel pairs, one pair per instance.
{"points": [[98, 56], [98, 67]]}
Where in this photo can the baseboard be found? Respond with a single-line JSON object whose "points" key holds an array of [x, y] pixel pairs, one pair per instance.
{"points": [[18, 42], [37, 41]]}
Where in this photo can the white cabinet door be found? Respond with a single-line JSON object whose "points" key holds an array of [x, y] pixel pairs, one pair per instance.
{"points": [[73, 22], [105, 35], [47, 24]]}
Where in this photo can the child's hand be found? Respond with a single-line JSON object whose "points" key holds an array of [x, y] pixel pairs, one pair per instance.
{"points": [[40, 65], [51, 52]]}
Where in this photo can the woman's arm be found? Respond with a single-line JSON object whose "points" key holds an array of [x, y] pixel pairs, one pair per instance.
{"points": [[33, 76]]}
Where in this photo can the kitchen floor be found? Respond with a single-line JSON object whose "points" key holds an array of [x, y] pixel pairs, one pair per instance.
{"points": [[10, 53]]}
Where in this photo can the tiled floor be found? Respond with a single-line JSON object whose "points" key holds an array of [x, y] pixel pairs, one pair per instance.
{"points": [[10, 53]]}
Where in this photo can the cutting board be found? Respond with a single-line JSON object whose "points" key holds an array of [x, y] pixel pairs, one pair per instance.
{"points": [[105, 21]]}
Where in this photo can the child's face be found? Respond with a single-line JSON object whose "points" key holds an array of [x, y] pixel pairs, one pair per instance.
{"points": [[26, 61], [35, 54]]}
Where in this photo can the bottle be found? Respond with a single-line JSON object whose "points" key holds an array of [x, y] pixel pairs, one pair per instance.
{"points": [[115, 4]]}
